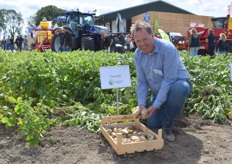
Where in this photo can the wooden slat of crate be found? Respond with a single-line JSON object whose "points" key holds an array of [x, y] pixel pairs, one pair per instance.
{"points": [[123, 148]]}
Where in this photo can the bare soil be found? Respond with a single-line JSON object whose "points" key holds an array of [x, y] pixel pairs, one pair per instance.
{"points": [[197, 142]]}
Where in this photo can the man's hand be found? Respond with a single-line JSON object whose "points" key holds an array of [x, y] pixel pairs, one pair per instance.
{"points": [[149, 111], [137, 110]]}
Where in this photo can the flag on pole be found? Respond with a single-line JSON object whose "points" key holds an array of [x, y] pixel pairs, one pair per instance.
{"points": [[118, 18], [156, 24]]}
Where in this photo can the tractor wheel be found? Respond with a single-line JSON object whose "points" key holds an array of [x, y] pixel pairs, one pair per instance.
{"points": [[55, 42], [87, 43]]}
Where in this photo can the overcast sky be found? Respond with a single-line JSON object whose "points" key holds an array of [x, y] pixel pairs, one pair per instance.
{"points": [[215, 8]]}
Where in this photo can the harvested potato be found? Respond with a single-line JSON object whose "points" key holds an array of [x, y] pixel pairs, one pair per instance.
{"points": [[119, 130], [140, 112], [124, 140], [140, 133], [130, 134], [136, 112], [113, 134], [134, 138], [115, 130], [143, 112], [230, 114], [136, 132], [143, 138], [150, 137], [109, 131], [129, 128], [130, 131], [137, 140], [124, 131]]}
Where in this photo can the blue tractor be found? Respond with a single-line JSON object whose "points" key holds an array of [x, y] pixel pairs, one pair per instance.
{"points": [[85, 35]]}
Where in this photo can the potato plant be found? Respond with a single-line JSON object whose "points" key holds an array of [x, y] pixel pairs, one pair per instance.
{"points": [[41, 90]]}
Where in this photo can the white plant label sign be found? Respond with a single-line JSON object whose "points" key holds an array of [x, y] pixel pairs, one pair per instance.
{"points": [[115, 77]]}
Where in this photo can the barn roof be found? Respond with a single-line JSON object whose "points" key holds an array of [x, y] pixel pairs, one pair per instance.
{"points": [[156, 5]]}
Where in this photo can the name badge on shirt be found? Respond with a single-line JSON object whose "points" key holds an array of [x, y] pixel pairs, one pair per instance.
{"points": [[158, 72]]}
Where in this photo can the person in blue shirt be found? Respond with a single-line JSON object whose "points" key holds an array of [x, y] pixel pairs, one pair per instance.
{"points": [[160, 69], [60, 32]]}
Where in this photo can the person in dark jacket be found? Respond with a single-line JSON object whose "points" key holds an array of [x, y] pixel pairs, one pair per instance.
{"points": [[4, 43], [60, 32], [211, 42], [194, 42], [105, 40], [12, 48], [19, 42], [67, 39], [221, 44], [112, 42]]}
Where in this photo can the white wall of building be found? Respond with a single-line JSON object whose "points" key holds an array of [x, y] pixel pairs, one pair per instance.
{"points": [[122, 26]]}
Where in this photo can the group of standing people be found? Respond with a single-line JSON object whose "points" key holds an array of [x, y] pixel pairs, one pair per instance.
{"points": [[65, 39], [108, 42], [219, 46], [9, 43]]}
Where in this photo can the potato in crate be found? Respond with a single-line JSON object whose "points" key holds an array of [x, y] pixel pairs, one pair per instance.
{"points": [[131, 136]]}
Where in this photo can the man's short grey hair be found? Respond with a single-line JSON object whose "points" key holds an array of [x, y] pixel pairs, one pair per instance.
{"points": [[139, 25], [102, 32]]}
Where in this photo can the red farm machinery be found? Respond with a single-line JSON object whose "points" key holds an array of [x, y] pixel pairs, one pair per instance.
{"points": [[220, 25], [43, 37]]}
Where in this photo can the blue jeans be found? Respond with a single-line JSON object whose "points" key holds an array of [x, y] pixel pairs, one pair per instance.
{"points": [[128, 47], [7, 46], [211, 50], [4, 47], [194, 51], [25, 47], [12, 47], [61, 48], [112, 49], [221, 52], [67, 48], [165, 115]]}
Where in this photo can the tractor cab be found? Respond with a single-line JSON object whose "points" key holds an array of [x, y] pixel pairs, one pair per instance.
{"points": [[75, 19], [220, 22]]}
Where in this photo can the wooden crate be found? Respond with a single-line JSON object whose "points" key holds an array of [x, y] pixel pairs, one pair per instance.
{"points": [[123, 148]]}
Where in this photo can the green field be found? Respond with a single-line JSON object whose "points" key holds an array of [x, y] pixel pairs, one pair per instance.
{"points": [[41, 90]]}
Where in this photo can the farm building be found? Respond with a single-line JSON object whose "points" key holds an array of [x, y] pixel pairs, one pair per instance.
{"points": [[158, 14]]}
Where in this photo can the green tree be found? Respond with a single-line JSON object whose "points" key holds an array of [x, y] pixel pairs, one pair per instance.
{"points": [[31, 21], [49, 12], [2, 20], [11, 21]]}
